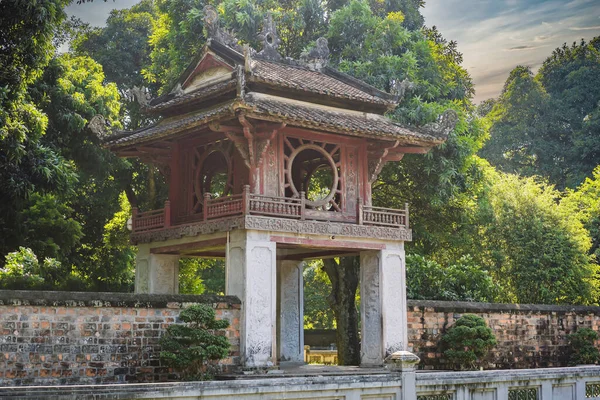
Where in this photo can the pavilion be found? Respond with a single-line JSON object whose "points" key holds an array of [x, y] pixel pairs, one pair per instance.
{"points": [[270, 162]]}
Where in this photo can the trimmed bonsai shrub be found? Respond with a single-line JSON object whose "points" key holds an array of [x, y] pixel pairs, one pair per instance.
{"points": [[467, 342], [583, 350], [190, 347]]}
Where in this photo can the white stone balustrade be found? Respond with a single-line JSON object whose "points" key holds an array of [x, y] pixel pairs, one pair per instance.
{"points": [[577, 383]]}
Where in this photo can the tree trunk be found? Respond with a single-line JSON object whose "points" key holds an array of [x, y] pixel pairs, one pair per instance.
{"points": [[344, 277]]}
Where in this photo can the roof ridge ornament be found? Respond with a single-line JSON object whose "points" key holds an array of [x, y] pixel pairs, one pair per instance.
{"points": [[99, 126], [444, 125], [139, 94], [401, 88], [270, 40], [214, 30], [316, 58]]}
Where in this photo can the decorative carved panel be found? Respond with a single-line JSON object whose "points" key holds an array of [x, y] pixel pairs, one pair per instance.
{"points": [[523, 394], [307, 161], [438, 396], [592, 390], [350, 180]]}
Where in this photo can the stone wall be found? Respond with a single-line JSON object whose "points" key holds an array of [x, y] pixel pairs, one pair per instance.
{"points": [[529, 336], [86, 338]]}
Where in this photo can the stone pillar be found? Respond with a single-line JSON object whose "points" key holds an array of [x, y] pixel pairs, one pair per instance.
{"points": [[383, 304], [371, 350], [290, 323], [142, 269], [156, 273], [251, 275], [405, 362]]}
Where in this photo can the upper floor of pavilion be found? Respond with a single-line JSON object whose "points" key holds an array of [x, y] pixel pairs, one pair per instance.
{"points": [[247, 133]]}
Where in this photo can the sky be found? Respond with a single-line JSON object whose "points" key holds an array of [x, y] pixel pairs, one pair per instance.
{"points": [[494, 35], [497, 35]]}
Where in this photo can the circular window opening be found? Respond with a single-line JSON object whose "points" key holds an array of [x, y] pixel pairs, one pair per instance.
{"points": [[320, 183], [215, 174], [314, 172]]}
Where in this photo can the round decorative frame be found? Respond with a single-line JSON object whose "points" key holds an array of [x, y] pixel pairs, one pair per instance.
{"points": [[198, 185], [332, 164]]}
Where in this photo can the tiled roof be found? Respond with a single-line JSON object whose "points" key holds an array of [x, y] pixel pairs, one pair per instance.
{"points": [[205, 92], [336, 119], [293, 112], [168, 126], [301, 78]]}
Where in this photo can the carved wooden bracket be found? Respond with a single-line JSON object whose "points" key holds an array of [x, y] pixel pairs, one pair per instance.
{"points": [[158, 154], [379, 154], [251, 139]]}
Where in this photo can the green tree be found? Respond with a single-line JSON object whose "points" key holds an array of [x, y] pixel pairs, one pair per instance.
{"points": [[467, 342], [123, 49], [177, 35], [585, 203], [533, 246], [47, 226], [343, 273], [571, 76], [348, 30], [23, 271], [106, 262], [548, 124], [71, 91], [26, 164], [583, 347], [463, 281], [190, 346], [317, 287], [520, 122]]}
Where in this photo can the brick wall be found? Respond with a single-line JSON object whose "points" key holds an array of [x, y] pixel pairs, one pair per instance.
{"points": [[529, 336], [68, 338]]}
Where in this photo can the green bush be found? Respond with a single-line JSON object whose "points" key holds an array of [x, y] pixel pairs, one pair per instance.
{"points": [[467, 342], [189, 347], [23, 271], [583, 350], [462, 280]]}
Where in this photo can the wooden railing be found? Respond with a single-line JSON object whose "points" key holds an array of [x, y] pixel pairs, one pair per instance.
{"points": [[283, 207], [222, 206], [247, 203], [151, 220], [380, 216]]}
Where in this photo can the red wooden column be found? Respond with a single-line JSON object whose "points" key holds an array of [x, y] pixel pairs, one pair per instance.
{"points": [[175, 181]]}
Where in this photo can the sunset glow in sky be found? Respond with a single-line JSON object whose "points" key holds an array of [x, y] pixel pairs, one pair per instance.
{"points": [[493, 35]]}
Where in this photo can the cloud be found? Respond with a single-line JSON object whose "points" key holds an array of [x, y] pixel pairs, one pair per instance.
{"points": [[496, 36], [585, 28], [524, 47]]}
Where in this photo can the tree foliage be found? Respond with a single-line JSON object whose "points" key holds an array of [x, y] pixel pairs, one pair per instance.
{"points": [[343, 273], [533, 245], [22, 271], [317, 287], [548, 124], [189, 347], [584, 204], [26, 164], [66, 198], [583, 347], [463, 281], [467, 342]]}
